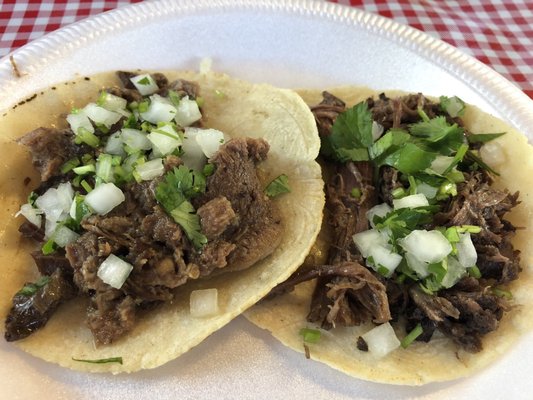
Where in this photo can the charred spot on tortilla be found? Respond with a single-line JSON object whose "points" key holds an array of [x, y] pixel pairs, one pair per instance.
{"points": [[131, 219], [426, 242]]}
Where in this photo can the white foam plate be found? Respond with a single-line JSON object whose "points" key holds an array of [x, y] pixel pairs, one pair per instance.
{"points": [[291, 44]]}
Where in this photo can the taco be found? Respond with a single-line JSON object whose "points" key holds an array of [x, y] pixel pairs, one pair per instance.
{"points": [[162, 206], [422, 270]]}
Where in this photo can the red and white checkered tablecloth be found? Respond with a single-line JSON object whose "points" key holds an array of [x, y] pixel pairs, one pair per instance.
{"points": [[496, 32]]}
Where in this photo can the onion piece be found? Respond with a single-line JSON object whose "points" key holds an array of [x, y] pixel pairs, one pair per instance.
{"points": [[135, 139], [441, 164], [367, 239], [145, 84], [427, 190], [164, 139], [379, 210], [187, 112], [55, 202], [420, 267], [79, 120], [210, 141], [114, 271], [31, 213], [159, 110], [466, 252], [204, 303], [104, 198], [99, 115], [381, 340], [377, 130], [427, 246], [382, 256], [63, 236], [150, 169], [412, 201], [455, 272], [115, 145], [112, 103]]}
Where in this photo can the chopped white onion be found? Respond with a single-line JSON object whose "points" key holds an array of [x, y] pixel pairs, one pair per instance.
{"points": [[49, 228], [193, 156], [55, 203], [164, 139], [429, 191], [63, 236], [455, 272], [380, 210], [113, 103], [466, 252], [441, 164], [104, 198], [493, 154], [412, 201], [381, 340], [427, 246], [145, 84], [115, 145], [114, 271], [160, 110], [420, 267], [99, 115], [204, 303], [367, 239], [135, 139], [151, 169], [31, 213], [210, 141], [187, 112], [382, 256], [377, 130], [79, 120]]}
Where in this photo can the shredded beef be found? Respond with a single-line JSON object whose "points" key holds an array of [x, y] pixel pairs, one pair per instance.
{"points": [[348, 293]]}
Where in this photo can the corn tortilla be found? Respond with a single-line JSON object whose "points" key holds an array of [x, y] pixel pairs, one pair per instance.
{"points": [[238, 109], [440, 359]]}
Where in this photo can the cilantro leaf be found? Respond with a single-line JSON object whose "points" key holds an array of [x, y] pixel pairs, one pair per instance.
{"points": [[409, 159], [185, 216], [30, 289], [483, 137], [173, 193], [351, 130], [278, 186]]}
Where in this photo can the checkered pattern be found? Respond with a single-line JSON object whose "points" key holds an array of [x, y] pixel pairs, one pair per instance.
{"points": [[496, 32]]}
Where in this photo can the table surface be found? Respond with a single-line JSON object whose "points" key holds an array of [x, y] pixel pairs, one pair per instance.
{"points": [[499, 33]]}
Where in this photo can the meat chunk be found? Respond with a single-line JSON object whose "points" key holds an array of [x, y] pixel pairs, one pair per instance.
{"points": [[259, 228], [50, 148], [216, 216], [31, 311]]}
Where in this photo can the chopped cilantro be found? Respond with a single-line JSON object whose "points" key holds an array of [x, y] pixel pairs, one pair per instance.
{"points": [[278, 186], [411, 336], [310, 335], [32, 197], [351, 135], [30, 289], [185, 216], [101, 360], [48, 247], [144, 81], [85, 136], [173, 193], [69, 165], [483, 137], [209, 169]]}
